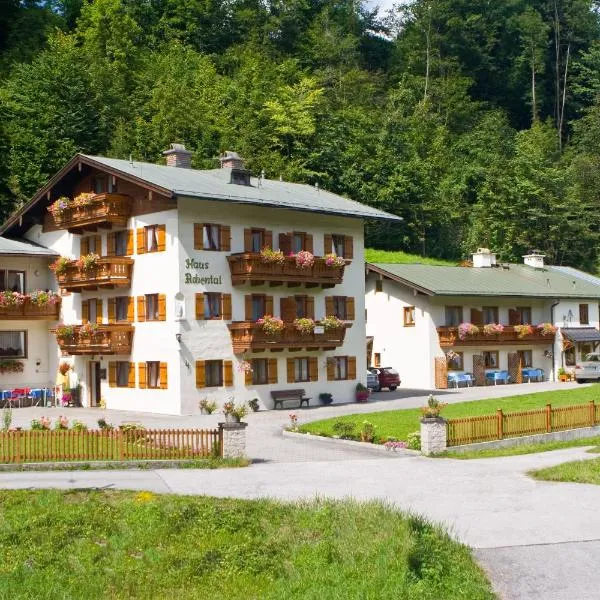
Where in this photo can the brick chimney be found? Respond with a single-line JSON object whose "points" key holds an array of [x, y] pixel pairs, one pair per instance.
{"points": [[231, 160], [178, 156]]}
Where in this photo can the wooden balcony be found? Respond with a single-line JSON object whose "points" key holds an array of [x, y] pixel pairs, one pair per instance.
{"points": [[509, 337], [104, 211], [30, 311], [246, 336], [248, 268], [109, 272], [108, 339]]}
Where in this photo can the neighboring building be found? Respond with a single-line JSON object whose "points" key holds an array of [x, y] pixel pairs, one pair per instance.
{"points": [[414, 314], [171, 305]]}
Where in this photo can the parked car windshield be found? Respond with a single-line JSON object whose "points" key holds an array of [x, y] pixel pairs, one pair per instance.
{"points": [[390, 370], [592, 357]]}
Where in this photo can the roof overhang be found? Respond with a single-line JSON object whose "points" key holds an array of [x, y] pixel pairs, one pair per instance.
{"points": [[581, 334], [374, 269]]}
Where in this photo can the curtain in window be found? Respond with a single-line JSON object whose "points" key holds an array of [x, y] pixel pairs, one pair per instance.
{"points": [[211, 237], [151, 239], [153, 369], [301, 369], [12, 343], [338, 245], [15, 281], [341, 368], [122, 374], [152, 307], [212, 305]]}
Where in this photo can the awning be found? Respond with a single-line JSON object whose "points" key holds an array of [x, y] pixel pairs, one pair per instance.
{"points": [[581, 334]]}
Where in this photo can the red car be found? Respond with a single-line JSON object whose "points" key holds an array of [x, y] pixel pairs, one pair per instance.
{"points": [[388, 378]]}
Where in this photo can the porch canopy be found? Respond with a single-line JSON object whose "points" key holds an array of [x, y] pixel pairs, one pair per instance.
{"points": [[581, 334]]}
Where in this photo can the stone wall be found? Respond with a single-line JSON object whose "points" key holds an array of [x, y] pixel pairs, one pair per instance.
{"points": [[434, 435]]}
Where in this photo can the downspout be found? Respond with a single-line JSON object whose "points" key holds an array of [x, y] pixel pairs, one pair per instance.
{"points": [[552, 307]]}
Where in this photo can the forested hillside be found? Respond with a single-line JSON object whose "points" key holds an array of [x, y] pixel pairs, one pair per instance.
{"points": [[478, 121]]}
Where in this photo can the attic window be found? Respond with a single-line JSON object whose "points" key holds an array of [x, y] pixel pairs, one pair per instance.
{"points": [[240, 177]]}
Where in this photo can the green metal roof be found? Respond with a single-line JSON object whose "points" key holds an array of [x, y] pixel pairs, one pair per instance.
{"points": [[516, 280], [12, 247]]}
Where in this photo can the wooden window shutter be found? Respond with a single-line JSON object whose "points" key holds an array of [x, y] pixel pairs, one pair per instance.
{"points": [[112, 310], [200, 374], [141, 309], [161, 235], [476, 316], [112, 373], [227, 373], [164, 381], [198, 236], [98, 244], [313, 368], [348, 247], [162, 307], [291, 377], [513, 317], [141, 240], [248, 378], [248, 307], [130, 309], [226, 307], [269, 305], [288, 309], [328, 243], [85, 311], [131, 380], [225, 238], [310, 307], [247, 240], [330, 369], [329, 306], [199, 306], [111, 243], [352, 367], [268, 239], [308, 243], [129, 250], [350, 312], [142, 375], [84, 247], [272, 370], [99, 316], [285, 243]]}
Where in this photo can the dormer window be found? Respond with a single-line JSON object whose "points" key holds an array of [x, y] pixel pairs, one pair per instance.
{"points": [[240, 177]]}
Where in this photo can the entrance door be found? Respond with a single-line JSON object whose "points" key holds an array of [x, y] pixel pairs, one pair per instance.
{"points": [[94, 386]]}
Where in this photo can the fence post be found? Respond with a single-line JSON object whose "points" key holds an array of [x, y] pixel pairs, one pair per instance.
{"points": [[592, 413], [548, 418], [121, 447], [500, 418], [18, 446]]}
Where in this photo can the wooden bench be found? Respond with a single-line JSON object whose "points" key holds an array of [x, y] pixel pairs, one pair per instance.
{"points": [[281, 396]]}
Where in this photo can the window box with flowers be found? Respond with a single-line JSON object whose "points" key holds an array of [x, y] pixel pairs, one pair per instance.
{"points": [[331, 323], [60, 265], [546, 329], [273, 257], [87, 262], [304, 326], [87, 330], [10, 299], [64, 332], [11, 366], [467, 329], [493, 329], [523, 331], [334, 261], [271, 325], [304, 259]]}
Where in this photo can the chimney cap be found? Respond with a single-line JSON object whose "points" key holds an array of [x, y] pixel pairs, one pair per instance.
{"points": [[229, 155], [535, 253], [176, 148]]}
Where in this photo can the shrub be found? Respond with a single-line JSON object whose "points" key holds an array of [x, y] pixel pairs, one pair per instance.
{"points": [[79, 426], [7, 417], [344, 430], [367, 432], [325, 398], [254, 405], [104, 424], [61, 424], [413, 440]]}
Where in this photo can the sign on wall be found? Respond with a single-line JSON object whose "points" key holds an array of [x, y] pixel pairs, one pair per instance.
{"points": [[195, 273]]}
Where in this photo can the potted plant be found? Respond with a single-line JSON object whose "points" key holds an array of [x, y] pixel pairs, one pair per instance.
{"points": [[334, 261], [254, 405], [433, 408], [563, 375], [304, 326], [325, 398], [271, 325], [362, 392], [207, 407], [234, 413]]}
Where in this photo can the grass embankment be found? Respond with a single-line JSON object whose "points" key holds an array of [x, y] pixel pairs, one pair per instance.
{"points": [[106, 544], [399, 257], [577, 471], [399, 423]]}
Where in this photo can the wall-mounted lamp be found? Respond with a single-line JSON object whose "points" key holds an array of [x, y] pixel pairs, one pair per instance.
{"points": [[178, 338], [547, 353]]}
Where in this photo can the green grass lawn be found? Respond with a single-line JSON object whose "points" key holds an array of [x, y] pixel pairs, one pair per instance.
{"points": [[576, 471], [107, 544], [397, 256], [399, 423]]}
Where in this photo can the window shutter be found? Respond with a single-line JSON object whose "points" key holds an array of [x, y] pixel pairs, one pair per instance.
{"points": [[331, 369], [164, 381], [313, 368], [98, 245], [291, 378], [141, 240], [476, 316], [200, 374], [272, 370], [131, 381], [129, 250], [329, 306], [247, 240], [225, 238], [142, 375], [227, 373], [248, 378], [285, 243], [111, 243], [84, 247], [199, 306], [112, 310], [99, 316], [85, 311], [112, 374], [248, 307], [288, 309], [308, 243], [513, 317], [269, 305], [269, 239], [348, 247], [161, 235], [352, 367], [130, 309], [226, 307], [310, 307], [162, 307], [328, 243], [141, 309], [350, 314], [198, 236]]}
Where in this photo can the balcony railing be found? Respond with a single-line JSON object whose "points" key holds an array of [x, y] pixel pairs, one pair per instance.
{"points": [[248, 336], [107, 339], [107, 273], [249, 268], [449, 337], [31, 311], [104, 210]]}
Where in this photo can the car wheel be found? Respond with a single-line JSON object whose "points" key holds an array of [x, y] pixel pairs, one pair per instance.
{"points": [[580, 380], [393, 388]]}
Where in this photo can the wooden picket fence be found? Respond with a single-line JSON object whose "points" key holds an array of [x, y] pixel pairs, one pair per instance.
{"points": [[487, 428], [101, 445]]}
